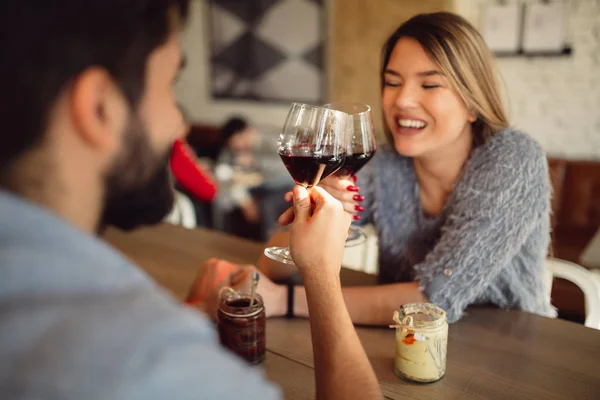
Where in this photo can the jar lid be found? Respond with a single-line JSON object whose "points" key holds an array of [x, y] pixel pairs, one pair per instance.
{"points": [[243, 309], [419, 316]]}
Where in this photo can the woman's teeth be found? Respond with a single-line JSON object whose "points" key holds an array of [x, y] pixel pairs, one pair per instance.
{"points": [[410, 123]]}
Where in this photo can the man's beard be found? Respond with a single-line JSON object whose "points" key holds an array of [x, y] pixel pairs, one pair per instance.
{"points": [[139, 190]]}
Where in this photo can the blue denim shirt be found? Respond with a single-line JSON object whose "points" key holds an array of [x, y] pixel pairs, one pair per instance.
{"points": [[79, 321]]}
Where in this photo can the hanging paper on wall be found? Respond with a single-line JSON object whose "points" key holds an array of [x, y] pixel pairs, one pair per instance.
{"points": [[544, 30], [502, 27]]}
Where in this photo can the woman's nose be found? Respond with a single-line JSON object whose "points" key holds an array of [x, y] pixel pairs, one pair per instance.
{"points": [[406, 97]]}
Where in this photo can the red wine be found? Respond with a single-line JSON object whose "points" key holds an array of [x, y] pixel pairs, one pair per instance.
{"points": [[354, 162], [308, 170]]}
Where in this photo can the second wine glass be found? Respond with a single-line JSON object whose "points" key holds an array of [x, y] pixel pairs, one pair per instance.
{"points": [[312, 146], [361, 148]]}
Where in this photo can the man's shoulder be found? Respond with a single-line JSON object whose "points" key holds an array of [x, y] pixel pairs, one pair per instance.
{"points": [[127, 344]]}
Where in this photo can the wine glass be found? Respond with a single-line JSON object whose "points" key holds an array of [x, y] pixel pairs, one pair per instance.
{"points": [[361, 148], [312, 146]]}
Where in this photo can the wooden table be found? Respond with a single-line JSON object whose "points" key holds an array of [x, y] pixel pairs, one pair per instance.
{"points": [[492, 354]]}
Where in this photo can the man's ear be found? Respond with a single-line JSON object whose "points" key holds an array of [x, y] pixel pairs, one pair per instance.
{"points": [[98, 109]]}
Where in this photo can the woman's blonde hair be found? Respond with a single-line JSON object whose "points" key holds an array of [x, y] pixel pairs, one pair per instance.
{"points": [[460, 52]]}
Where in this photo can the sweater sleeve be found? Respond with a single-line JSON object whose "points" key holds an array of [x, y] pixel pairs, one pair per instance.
{"points": [[190, 175], [503, 195]]}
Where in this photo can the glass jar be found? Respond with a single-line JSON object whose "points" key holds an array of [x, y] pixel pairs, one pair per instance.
{"points": [[241, 326], [421, 342]]}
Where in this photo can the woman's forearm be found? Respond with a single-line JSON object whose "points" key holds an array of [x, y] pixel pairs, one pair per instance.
{"points": [[369, 305]]}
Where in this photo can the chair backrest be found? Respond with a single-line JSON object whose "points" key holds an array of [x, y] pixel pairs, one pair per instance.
{"points": [[183, 212], [586, 281], [577, 195], [591, 254], [364, 256], [557, 169]]}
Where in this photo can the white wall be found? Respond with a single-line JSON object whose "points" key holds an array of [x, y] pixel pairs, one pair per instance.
{"points": [[193, 89], [556, 100]]}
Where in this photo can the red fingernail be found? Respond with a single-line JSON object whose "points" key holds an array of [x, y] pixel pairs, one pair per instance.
{"points": [[356, 217], [354, 178], [359, 208], [358, 197], [352, 188]]}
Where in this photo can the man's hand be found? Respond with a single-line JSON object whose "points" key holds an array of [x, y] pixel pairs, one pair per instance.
{"points": [[317, 239], [319, 230]]}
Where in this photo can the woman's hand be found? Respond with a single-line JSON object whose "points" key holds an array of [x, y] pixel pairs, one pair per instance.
{"points": [[274, 296], [344, 189], [212, 276], [215, 274]]}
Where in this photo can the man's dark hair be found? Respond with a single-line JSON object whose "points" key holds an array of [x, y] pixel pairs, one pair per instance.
{"points": [[46, 44]]}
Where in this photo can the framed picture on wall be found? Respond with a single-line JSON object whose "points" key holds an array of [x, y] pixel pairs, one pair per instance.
{"points": [[267, 50]]}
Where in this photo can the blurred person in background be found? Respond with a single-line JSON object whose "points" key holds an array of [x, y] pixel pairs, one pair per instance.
{"points": [[194, 179], [252, 179]]}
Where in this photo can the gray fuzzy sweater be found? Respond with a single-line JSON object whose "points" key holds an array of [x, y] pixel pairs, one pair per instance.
{"points": [[488, 244]]}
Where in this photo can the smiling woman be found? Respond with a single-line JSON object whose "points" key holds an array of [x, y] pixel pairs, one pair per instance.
{"points": [[454, 74], [460, 201]]}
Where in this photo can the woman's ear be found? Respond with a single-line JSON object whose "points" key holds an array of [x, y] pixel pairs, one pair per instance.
{"points": [[472, 116]]}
